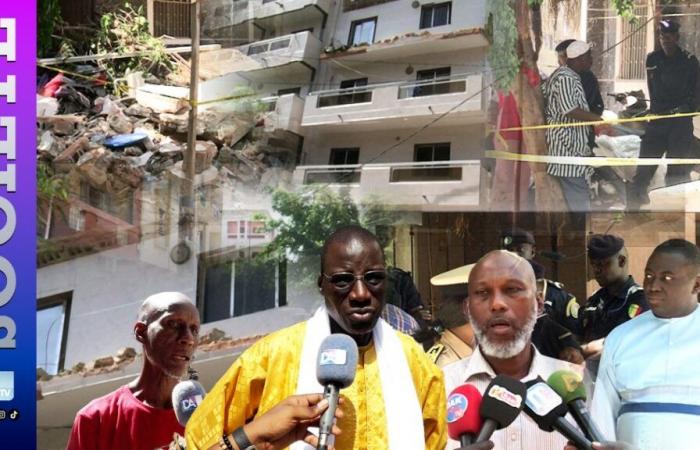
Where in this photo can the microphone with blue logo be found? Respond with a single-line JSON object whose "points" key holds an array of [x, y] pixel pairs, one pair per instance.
{"points": [[187, 395], [463, 418], [335, 370]]}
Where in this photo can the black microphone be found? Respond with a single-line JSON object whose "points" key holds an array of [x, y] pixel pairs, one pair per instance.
{"points": [[187, 395], [502, 402], [335, 370], [569, 386], [547, 409]]}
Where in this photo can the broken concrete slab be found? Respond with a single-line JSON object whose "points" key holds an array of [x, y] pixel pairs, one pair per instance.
{"points": [[163, 99], [120, 123], [62, 125], [99, 363], [205, 152], [65, 161]]}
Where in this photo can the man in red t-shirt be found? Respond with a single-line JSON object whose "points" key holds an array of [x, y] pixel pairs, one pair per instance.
{"points": [[140, 414]]}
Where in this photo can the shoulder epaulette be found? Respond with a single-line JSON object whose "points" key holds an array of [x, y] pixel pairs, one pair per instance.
{"points": [[435, 351]]}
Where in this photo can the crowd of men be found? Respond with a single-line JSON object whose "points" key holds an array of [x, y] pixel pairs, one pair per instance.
{"points": [[270, 397], [572, 95]]}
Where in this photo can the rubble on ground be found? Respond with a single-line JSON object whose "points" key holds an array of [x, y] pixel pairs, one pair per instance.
{"points": [[78, 128]]}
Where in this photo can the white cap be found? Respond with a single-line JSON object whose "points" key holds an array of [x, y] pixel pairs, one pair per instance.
{"points": [[576, 49]]}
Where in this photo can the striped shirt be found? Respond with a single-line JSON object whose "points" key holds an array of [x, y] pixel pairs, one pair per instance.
{"points": [[523, 433], [400, 320], [563, 92]]}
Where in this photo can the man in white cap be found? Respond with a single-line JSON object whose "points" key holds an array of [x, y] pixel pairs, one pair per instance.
{"points": [[565, 104]]}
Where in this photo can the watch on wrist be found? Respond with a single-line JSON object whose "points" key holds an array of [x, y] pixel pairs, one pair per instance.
{"points": [[241, 440]]}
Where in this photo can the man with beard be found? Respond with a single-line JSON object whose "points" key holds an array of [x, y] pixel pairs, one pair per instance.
{"points": [[397, 400], [140, 415], [648, 388], [502, 308]]}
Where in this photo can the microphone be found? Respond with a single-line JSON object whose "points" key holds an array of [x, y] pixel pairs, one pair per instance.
{"points": [[547, 409], [502, 402], [187, 395], [463, 419], [335, 370], [569, 386]]}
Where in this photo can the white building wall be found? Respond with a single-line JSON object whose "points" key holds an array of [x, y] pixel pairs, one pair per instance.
{"points": [[466, 143], [400, 17]]}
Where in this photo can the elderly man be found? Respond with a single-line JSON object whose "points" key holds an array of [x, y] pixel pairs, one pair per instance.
{"points": [[566, 105], [648, 389], [502, 307], [397, 400], [140, 414], [673, 78], [618, 300]]}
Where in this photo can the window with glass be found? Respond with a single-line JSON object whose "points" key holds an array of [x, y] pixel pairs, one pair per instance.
{"points": [[435, 15], [52, 319], [362, 31], [236, 285]]}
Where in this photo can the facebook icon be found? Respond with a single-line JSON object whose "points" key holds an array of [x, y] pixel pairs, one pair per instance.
{"points": [[7, 386]]}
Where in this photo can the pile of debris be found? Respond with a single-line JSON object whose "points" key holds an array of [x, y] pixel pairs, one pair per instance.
{"points": [[115, 143], [214, 340]]}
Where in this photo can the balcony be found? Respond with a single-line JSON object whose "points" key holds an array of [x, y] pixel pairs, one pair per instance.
{"points": [[425, 186], [399, 105], [284, 113], [292, 58], [254, 16]]}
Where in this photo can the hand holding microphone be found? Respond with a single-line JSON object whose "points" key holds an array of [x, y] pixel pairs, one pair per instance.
{"points": [[287, 422]]}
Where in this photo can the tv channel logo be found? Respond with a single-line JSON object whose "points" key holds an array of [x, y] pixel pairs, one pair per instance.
{"points": [[7, 386]]}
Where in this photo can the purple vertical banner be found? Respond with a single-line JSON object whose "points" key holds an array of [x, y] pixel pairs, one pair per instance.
{"points": [[17, 225]]}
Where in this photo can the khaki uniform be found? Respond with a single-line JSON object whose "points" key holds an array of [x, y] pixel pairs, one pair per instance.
{"points": [[449, 348]]}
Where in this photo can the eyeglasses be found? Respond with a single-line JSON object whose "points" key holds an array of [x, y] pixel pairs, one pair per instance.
{"points": [[344, 281]]}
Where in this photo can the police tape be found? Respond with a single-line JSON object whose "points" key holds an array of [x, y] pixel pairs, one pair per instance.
{"points": [[593, 161], [649, 118]]}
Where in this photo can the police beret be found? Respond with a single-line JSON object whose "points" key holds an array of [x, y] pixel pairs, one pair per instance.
{"points": [[669, 26], [601, 246], [516, 236]]}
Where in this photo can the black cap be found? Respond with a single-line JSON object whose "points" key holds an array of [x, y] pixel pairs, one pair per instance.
{"points": [[601, 246], [669, 26], [516, 236]]}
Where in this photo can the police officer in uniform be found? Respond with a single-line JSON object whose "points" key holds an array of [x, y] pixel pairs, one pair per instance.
{"points": [[457, 339], [672, 78], [559, 304], [618, 300]]}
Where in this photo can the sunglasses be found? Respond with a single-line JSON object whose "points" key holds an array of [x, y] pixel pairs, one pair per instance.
{"points": [[343, 281]]}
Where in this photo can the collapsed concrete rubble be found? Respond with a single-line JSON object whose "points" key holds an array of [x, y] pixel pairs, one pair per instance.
{"points": [[116, 143]]}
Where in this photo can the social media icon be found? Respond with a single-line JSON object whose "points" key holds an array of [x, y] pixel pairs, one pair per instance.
{"points": [[7, 386], [14, 414], [2, 414]]}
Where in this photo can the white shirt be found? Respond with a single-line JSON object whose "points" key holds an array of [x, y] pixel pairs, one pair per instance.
{"points": [[523, 433], [650, 359]]}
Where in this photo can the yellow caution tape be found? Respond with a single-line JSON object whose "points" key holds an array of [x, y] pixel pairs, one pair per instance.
{"points": [[594, 161], [603, 122]]}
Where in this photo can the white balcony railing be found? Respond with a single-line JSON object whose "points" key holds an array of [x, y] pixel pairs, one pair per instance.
{"points": [[438, 183], [457, 94], [284, 49]]}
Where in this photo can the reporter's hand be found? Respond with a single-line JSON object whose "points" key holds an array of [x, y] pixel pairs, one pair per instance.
{"points": [[486, 445], [287, 422], [572, 355], [593, 349]]}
